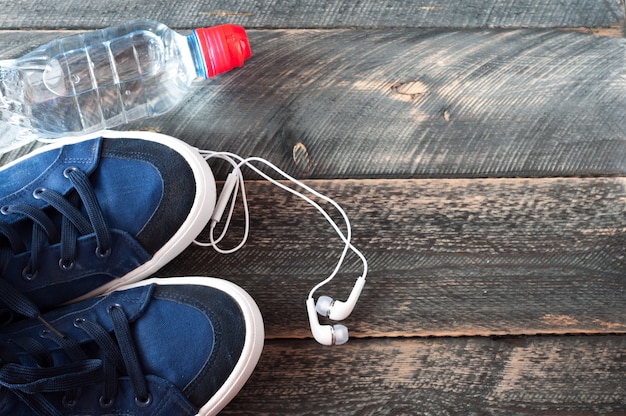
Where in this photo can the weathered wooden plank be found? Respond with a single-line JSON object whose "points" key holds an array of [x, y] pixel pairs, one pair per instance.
{"points": [[447, 257], [325, 14], [412, 103], [454, 376]]}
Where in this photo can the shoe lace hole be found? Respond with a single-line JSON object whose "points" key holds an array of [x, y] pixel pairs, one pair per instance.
{"points": [[105, 403], [66, 265], [143, 402], [28, 274], [37, 193], [102, 254], [69, 170], [69, 403], [78, 322], [5, 210], [114, 306]]}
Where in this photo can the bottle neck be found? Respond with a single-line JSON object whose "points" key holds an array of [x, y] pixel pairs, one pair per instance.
{"points": [[197, 55], [219, 49]]}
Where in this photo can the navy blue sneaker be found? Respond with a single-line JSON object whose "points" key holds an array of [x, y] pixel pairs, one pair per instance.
{"points": [[85, 217], [169, 347]]}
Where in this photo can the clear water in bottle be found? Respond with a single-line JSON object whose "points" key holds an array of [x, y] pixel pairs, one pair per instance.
{"points": [[109, 77], [14, 124]]}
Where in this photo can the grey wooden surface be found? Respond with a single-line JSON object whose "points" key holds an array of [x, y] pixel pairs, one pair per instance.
{"points": [[438, 376], [472, 257], [478, 148], [504, 103], [19, 14]]}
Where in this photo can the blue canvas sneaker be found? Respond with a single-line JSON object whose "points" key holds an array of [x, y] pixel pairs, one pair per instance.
{"points": [[82, 218], [170, 347]]}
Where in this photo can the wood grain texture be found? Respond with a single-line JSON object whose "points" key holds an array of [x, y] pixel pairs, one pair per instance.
{"points": [[447, 257], [18, 14], [421, 89], [455, 376], [411, 103], [414, 103]]}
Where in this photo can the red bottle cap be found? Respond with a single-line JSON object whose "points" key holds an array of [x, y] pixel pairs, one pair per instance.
{"points": [[224, 47]]}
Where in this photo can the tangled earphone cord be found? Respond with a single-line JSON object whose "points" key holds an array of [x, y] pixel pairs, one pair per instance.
{"points": [[235, 181]]}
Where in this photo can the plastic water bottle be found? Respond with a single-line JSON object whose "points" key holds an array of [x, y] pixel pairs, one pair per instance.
{"points": [[109, 77]]}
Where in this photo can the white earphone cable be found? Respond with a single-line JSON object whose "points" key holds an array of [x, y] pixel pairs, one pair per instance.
{"points": [[237, 162]]}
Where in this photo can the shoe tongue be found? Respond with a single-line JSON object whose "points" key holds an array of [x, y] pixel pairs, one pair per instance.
{"points": [[45, 170]]}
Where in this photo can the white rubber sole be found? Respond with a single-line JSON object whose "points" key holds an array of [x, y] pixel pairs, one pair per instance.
{"points": [[196, 220], [198, 217], [253, 345]]}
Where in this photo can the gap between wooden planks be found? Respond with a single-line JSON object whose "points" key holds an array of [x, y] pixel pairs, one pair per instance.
{"points": [[447, 257], [486, 376]]}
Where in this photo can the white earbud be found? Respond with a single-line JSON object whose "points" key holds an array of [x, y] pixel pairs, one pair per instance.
{"points": [[325, 334], [338, 310]]}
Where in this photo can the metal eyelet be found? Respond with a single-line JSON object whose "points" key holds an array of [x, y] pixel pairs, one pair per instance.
{"points": [[49, 329], [69, 403], [144, 402], [113, 306], [105, 404], [5, 210], [103, 254], [78, 322], [69, 170], [37, 193], [66, 266], [28, 274]]}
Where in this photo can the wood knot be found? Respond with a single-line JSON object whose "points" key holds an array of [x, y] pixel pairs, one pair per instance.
{"points": [[410, 89], [227, 13], [301, 158]]}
